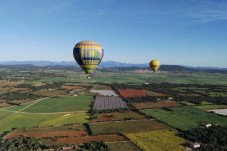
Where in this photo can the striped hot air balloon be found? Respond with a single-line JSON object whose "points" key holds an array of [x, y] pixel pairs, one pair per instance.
{"points": [[88, 54], [155, 64]]}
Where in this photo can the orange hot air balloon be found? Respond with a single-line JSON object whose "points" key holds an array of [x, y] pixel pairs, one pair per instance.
{"points": [[155, 64]]}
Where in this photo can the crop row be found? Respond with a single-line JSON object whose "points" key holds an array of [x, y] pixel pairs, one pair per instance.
{"points": [[106, 103]]}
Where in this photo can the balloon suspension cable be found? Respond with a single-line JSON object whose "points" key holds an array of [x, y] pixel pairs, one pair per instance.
{"points": [[88, 76]]}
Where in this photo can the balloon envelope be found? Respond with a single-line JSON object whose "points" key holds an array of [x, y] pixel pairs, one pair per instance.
{"points": [[155, 64], [88, 54]]}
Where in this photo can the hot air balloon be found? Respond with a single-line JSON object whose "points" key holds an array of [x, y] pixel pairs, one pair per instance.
{"points": [[155, 64], [88, 54]]}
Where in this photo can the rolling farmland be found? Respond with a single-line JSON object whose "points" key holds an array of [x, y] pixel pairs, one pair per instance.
{"points": [[75, 130], [21, 120], [116, 116], [160, 104], [184, 118], [159, 140], [108, 103], [85, 139], [105, 92], [126, 126], [61, 104], [133, 93]]}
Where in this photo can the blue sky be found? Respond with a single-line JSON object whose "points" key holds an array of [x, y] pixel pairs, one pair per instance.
{"points": [[184, 32]]}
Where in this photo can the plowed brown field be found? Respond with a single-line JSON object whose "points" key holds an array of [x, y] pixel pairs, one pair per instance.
{"points": [[133, 93], [148, 105]]}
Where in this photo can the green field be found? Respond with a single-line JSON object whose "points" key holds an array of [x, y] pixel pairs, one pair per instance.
{"points": [[126, 126], [210, 107], [162, 140], [113, 77], [185, 118], [61, 104], [118, 116], [18, 107], [20, 120], [122, 146], [4, 115]]}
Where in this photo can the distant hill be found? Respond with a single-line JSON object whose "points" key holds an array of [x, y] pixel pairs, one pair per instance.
{"points": [[113, 65]]}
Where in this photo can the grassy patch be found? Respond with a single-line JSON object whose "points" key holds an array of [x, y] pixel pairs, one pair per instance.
{"points": [[158, 140], [185, 118], [20, 120], [19, 107], [211, 107], [118, 116], [61, 104], [126, 126], [122, 146]]}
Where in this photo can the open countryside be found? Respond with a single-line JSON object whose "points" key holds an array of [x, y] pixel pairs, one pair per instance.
{"points": [[77, 112]]}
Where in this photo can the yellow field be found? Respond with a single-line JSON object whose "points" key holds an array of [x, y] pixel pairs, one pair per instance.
{"points": [[158, 140]]}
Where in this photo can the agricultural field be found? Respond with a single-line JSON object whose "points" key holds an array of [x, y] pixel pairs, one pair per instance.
{"points": [[159, 140], [160, 104], [28, 120], [185, 118], [152, 93], [116, 116], [101, 87], [108, 103], [61, 104], [13, 89], [4, 105], [73, 87], [210, 107], [50, 93], [126, 126], [85, 139], [76, 130], [122, 146], [133, 93], [5, 83], [104, 92], [20, 107]]}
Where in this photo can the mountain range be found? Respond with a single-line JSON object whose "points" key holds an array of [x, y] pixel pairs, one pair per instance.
{"points": [[104, 64]]}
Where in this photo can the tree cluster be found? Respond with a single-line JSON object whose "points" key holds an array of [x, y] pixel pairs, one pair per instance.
{"points": [[212, 138]]}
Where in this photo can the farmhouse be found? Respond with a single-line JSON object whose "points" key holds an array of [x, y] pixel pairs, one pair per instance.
{"points": [[194, 145]]}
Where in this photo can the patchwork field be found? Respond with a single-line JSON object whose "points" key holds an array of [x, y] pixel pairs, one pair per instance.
{"points": [[61, 104], [50, 93], [116, 116], [19, 107], [13, 89], [101, 87], [126, 126], [160, 104], [108, 103], [152, 93], [73, 87], [123, 146], [4, 83], [4, 104], [28, 120], [158, 140], [104, 92], [185, 118], [133, 93], [210, 107], [85, 139], [75, 130]]}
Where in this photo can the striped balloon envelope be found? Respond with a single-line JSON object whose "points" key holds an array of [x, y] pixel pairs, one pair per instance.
{"points": [[88, 54]]}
